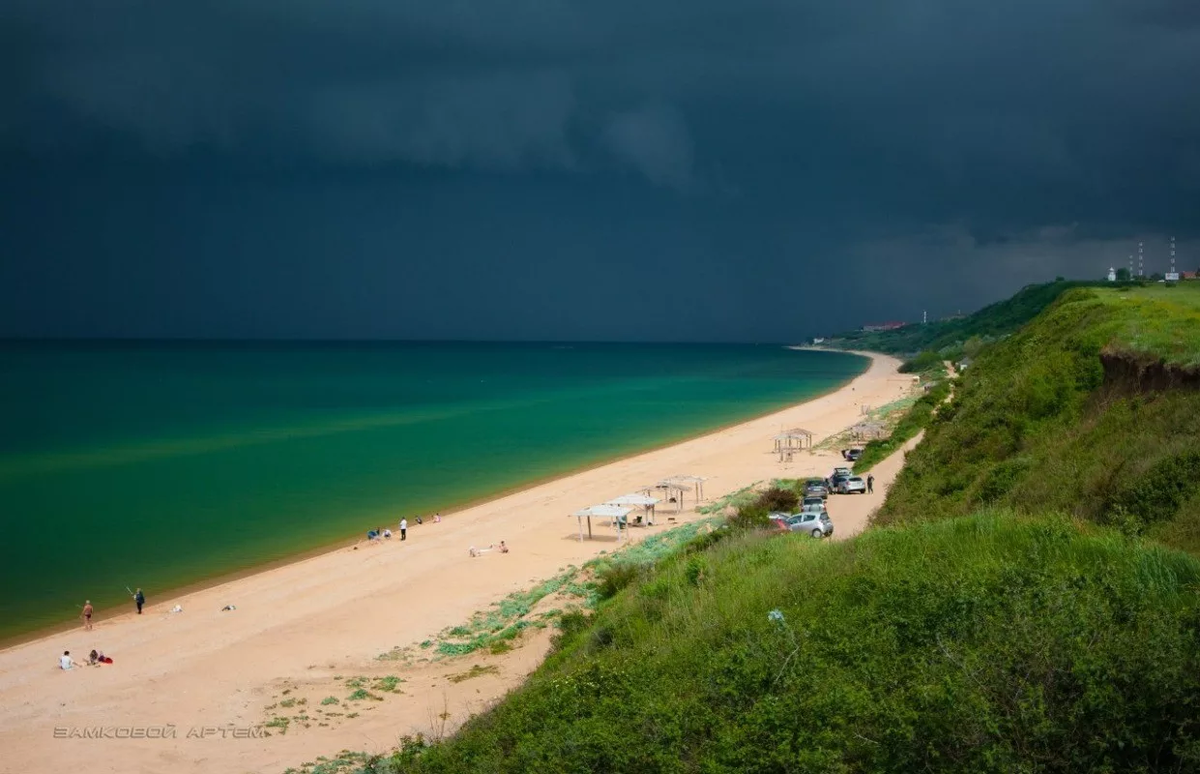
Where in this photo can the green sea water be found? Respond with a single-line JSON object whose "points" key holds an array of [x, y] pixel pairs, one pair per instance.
{"points": [[164, 464]]}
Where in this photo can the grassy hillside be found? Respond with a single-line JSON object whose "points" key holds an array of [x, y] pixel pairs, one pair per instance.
{"points": [[991, 322], [1092, 409], [990, 644]]}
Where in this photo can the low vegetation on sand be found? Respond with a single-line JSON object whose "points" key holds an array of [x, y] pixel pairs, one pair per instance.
{"points": [[1093, 409], [991, 643]]}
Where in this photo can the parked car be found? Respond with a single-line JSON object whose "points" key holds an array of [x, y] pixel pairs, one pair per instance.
{"points": [[843, 472], [835, 480], [780, 521], [852, 485], [813, 502], [851, 454], [817, 524], [815, 487]]}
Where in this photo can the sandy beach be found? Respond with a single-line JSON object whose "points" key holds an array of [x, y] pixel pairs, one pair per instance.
{"points": [[209, 673]]}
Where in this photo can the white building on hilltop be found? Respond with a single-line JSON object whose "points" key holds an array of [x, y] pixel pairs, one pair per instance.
{"points": [[1112, 274]]}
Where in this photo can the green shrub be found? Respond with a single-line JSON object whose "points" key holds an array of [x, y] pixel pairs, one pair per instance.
{"points": [[1157, 494], [925, 361], [616, 577], [778, 499], [749, 518], [570, 625]]}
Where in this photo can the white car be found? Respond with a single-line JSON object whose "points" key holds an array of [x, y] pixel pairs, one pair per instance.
{"points": [[852, 485]]}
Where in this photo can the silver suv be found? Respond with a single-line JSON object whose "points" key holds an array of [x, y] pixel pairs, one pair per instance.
{"points": [[852, 485], [815, 523]]}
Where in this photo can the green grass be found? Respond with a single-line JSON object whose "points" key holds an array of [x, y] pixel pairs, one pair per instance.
{"points": [[1037, 425], [988, 644], [1159, 320]]}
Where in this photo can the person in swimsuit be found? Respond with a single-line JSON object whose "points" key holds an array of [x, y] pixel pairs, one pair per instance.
{"points": [[87, 615]]}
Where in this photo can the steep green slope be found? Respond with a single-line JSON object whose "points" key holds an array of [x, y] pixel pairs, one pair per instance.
{"points": [[1092, 409], [991, 322], [989, 644]]}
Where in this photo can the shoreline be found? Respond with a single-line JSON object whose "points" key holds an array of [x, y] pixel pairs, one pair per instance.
{"points": [[8, 642], [302, 628]]}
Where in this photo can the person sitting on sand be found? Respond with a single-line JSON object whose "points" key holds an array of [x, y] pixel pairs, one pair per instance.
{"points": [[93, 658], [437, 518], [65, 661], [503, 548], [419, 520], [387, 533]]}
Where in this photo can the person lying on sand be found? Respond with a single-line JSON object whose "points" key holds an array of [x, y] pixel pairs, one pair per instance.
{"points": [[493, 547]]}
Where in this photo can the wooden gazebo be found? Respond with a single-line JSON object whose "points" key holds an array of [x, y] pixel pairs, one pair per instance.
{"points": [[791, 441]]}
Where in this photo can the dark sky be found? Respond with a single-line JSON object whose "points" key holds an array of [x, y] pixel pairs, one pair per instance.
{"points": [[760, 170]]}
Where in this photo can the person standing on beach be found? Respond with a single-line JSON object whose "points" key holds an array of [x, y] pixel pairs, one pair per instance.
{"points": [[140, 599], [403, 528], [87, 615], [870, 483]]}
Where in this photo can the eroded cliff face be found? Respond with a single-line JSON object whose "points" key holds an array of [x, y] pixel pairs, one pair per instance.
{"points": [[1132, 373]]}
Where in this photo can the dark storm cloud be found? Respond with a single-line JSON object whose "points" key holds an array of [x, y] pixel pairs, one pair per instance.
{"points": [[905, 139]]}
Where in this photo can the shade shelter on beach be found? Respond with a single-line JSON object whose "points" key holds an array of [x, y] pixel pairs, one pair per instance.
{"points": [[614, 512], [791, 441], [680, 485], [637, 498]]}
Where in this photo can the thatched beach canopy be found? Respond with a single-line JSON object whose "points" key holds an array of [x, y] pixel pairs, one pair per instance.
{"points": [[614, 512]]}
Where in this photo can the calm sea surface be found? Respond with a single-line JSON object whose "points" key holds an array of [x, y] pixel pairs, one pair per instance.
{"points": [[159, 465]]}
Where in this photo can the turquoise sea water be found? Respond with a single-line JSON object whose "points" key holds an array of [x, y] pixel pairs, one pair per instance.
{"points": [[163, 464]]}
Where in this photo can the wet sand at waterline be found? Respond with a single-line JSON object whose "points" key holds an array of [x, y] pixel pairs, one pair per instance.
{"points": [[206, 673]]}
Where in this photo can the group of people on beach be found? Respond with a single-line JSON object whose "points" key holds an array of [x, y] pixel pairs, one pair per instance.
{"points": [[95, 658], [383, 533]]}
